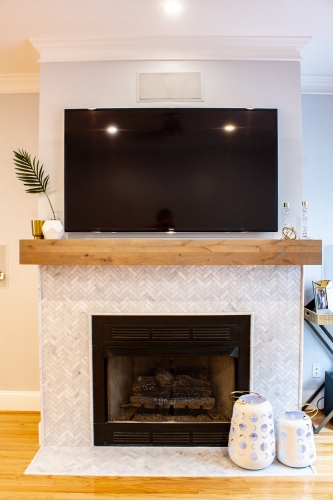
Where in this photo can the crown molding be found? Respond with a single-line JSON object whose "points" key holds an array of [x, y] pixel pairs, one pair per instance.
{"points": [[171, 48], [315, 84], [19, 83]]}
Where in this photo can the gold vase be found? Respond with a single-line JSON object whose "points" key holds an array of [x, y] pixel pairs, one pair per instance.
{"points": [[36, 226]]}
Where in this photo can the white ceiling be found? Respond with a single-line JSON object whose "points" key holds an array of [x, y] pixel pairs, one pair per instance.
{"points": [[23, 20]]}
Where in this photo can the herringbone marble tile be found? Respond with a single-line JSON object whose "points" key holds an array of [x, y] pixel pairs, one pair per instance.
{"points": [[69, 294], [143, 461]]}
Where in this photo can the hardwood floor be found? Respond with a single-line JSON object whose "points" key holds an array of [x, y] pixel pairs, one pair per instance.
{"points": [[19, 444]]}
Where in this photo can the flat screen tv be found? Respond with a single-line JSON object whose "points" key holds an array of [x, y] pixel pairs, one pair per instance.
{"points": [[171, 169]]}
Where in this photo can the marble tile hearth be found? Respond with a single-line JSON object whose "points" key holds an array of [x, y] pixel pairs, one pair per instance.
{"points": [[148, 462]]}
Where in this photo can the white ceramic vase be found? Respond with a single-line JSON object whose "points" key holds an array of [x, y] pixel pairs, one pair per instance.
{"points": [[252, 438], [295, 439], [53, 229]]}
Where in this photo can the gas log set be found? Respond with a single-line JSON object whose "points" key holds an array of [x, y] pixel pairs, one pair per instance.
{"points": [[162, 395]]}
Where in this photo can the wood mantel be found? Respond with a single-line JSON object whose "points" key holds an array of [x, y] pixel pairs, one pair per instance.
{"points": [[161, 251]]}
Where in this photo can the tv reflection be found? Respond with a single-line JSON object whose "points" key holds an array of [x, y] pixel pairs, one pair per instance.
{"points": [[164, 220]]}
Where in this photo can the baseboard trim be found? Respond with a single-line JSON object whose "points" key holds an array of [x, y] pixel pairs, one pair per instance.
{"points": [[19, 401]]}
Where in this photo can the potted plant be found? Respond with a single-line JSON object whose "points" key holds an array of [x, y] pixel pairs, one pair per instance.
{"points": [[31, 173]]}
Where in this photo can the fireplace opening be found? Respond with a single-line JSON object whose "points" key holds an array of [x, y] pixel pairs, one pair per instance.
{"points": [[166, 380], [170, 388]]}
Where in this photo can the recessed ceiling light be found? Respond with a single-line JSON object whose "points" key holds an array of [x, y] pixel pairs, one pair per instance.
{"points": [[172, 7], [112, 129], [229, 128]]}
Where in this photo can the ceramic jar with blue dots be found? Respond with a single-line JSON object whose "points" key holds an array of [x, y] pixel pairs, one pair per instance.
{"points": [[295, 439], [252, 438]]}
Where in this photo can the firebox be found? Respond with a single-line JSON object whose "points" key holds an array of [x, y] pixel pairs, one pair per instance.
{"points": [[164, 380]]}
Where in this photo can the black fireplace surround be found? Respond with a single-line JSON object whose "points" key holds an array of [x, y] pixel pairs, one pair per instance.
{"points": [[165, 335]]}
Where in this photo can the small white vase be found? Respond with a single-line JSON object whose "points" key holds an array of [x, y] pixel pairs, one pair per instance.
{"points": [[295, 441], [53, 229]]}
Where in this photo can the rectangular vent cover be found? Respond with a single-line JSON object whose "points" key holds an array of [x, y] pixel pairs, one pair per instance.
{"points": [[174, 436], [128, 333], [206, 333], [128, 438]]}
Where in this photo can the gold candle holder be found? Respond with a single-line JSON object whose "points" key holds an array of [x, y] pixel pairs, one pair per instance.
{"points": [[36, 227]]}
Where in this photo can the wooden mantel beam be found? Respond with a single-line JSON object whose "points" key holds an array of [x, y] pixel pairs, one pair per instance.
{"points": [[162, 251]]}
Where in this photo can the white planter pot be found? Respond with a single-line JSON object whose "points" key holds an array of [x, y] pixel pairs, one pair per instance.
{"points": [[295, 440], [53, 229], [252, 438]]}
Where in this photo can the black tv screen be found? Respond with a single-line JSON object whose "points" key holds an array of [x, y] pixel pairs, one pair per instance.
{"points": [[161, 169]]}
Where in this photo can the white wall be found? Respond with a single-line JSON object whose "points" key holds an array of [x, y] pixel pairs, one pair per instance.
{"points": [[19, 365], [318, 185], [226, 84]]}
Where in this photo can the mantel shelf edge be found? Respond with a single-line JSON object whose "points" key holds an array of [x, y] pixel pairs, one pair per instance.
{"points": [[160, 251]]}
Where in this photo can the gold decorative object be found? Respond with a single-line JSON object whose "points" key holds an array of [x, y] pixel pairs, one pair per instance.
{"points": [[36, 226], [289, 233]]}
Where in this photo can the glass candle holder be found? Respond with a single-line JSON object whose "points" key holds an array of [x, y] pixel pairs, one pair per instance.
{"points": [[304, 219], [286, 220]]}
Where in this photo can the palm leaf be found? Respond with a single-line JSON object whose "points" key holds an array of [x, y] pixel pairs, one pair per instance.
{"points": [[31, 173]]}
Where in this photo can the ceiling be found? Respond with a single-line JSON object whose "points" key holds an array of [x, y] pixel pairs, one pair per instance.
{"points": [[23, 20]]}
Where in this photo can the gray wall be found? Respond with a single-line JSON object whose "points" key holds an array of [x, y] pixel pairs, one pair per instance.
{"points": [[318, 191]]}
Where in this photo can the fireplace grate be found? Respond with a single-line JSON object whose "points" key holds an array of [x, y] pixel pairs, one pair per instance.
{"points": [[129, 333], [170, 333], [173, 437], [176, 435], [131, 438], [213, 332], [175, 333]]}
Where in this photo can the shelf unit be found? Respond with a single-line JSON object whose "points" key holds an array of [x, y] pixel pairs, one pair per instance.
{"points": [[318, 323]]}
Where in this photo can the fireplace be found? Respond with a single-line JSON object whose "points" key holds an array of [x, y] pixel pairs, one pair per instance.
{"points": [[165, 380], [81, 281], [71, 295]]}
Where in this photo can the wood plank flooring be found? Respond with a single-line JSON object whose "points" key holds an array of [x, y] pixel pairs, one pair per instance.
{"points": [[19, 444]]}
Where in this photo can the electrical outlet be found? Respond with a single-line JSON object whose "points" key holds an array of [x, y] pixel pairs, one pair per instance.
{"points": [[315, 370]]}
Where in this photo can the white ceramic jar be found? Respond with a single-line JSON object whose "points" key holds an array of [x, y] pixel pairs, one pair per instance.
{"points": [[295, 439], [53, 229], [252, 438]]}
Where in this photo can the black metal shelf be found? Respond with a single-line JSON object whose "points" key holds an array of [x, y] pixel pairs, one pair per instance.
{"points": [[314, 321]]}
